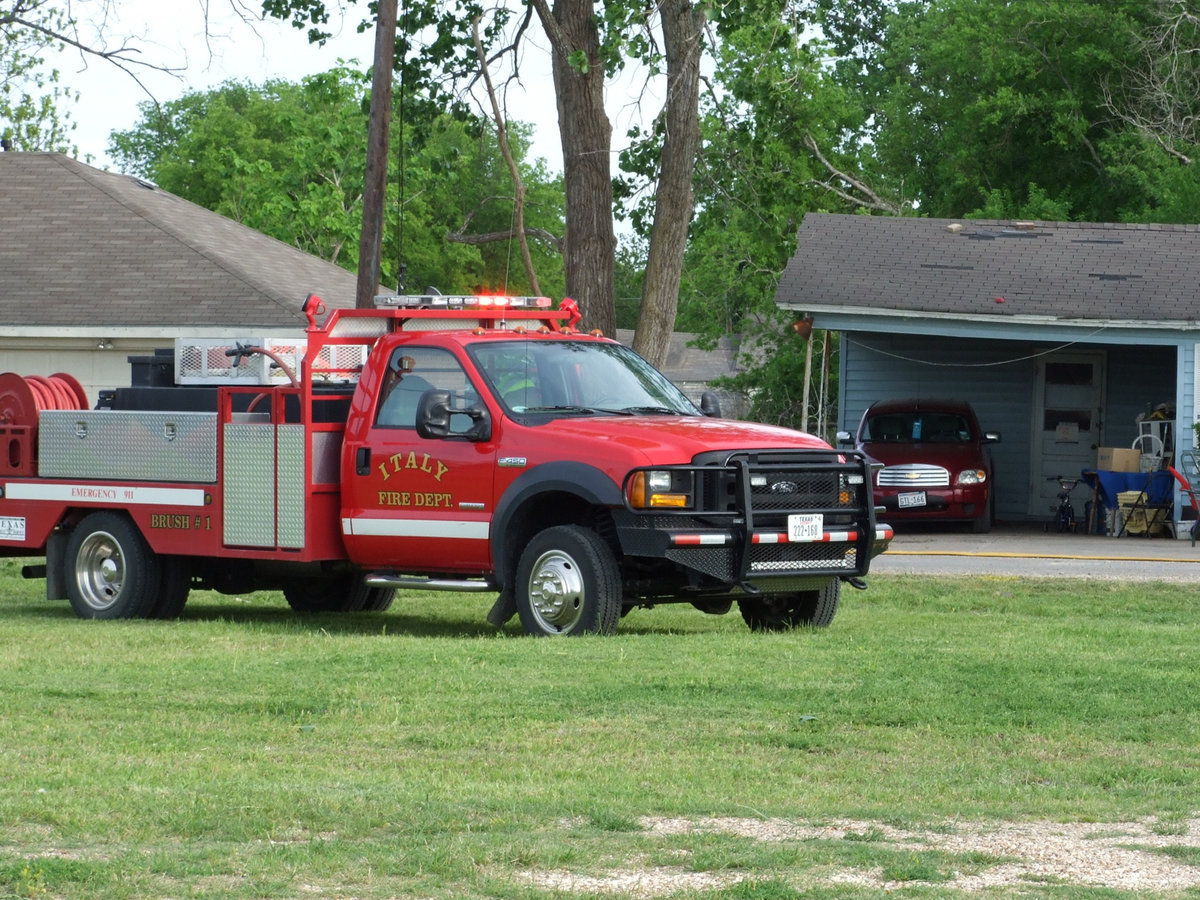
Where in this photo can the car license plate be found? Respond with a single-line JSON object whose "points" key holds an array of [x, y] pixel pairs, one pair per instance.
{"points": [[806, 527], [911, 500]]}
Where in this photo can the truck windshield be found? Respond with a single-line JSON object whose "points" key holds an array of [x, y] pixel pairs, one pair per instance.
{"points": [[575, 377]]}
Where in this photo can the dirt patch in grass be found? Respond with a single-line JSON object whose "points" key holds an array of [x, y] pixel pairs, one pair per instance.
{"points": [[1131, 856]]}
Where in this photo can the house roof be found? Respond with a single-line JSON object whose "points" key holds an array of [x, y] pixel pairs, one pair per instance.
{"points": [[83, 247], [995, 272], [693, 365]]}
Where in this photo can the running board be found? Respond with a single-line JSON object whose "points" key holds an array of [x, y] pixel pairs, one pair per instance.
{"points": [[409, 583]]}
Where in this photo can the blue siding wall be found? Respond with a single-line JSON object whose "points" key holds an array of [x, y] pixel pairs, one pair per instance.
{"points": [[1138, 379]]}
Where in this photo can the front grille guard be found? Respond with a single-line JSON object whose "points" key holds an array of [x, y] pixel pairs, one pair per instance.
{"points": [[726, 497]]}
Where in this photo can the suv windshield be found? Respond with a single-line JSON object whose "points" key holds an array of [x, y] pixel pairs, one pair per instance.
{"points": [[574, 377], [910, 427]]}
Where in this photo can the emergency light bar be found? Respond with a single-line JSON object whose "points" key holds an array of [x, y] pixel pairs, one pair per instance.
{"points": [[458, 301]]}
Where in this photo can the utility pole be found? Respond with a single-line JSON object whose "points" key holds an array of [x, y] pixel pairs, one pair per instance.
{"points": [[370, 247]]}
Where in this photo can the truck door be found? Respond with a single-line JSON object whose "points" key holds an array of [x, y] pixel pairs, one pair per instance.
{"points": [[411, 503]]}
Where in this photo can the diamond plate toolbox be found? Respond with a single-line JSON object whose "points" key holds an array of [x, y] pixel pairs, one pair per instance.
{"points": [[128, 445]]}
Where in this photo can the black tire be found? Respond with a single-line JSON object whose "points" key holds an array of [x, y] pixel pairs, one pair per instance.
{"points": [[175, 583], [568, 582], [344, 593], [782, 612], [112, 572], [983, 524], [378, 599]]}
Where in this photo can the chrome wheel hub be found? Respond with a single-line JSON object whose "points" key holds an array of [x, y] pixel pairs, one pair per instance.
{"points": [[556, 592]]}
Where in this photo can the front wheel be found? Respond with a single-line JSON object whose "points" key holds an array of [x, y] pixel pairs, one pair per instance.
{"points": [[983, 524], [568, 582], [782, 612], [113, 572]]}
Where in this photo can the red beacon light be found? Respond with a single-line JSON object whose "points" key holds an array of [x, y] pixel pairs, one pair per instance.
{"points": [[462, 302]]}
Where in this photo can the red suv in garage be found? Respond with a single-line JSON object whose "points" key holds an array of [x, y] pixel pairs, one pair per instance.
{"points": [[934, 458]]}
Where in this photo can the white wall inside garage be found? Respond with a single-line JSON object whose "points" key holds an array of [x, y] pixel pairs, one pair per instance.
{"points": [[94, 368], [999, 378]]}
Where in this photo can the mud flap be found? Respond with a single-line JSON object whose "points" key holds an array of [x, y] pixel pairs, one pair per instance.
{"points": [[503, 609]]}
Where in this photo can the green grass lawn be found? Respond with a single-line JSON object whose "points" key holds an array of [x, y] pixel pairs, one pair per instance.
{"points": [[246, 752]]}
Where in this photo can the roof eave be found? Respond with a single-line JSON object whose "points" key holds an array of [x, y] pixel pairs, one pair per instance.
{"points": [[834, 311]]}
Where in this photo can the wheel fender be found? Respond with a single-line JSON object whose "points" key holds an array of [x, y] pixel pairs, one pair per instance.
{"points": [[592, 486]]}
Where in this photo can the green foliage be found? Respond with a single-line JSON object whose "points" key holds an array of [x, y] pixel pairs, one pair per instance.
{"points": [[578, 61], [1036, 206], [33, 104], [284, 158], [289, 160], [771, 373], [434, 47], [629, 272], [987, 103], [756, 178]]}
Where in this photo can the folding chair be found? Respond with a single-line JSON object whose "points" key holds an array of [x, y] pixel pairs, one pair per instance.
{"points": [[1150, 508], [1185, 488]]}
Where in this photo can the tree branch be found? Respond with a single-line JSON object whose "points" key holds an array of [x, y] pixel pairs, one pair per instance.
{"points": [[872, 199], [506, 151], [541, 234]]}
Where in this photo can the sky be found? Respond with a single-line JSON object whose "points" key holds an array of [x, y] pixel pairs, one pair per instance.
{"points": [[172, 33]]}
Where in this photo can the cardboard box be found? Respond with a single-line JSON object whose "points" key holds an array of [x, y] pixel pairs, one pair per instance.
{"points": [[1118, 459]]}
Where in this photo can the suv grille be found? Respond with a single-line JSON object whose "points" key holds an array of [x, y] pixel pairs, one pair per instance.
{"points": [[914, 475]]}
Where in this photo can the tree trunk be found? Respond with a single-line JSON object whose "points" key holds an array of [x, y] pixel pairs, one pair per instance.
{"points": [[683, 29], [374, 186], [373, 190], [586, 134]]}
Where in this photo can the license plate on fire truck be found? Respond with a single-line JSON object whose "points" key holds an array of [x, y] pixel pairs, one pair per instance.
{"points": [[910, 500], [805, 526]]}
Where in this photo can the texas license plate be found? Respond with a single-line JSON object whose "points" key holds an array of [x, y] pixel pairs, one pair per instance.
{"points": [[806, 527], [911, 500]]}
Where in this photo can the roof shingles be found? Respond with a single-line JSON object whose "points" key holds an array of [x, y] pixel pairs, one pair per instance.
{"points": [[1067, 270], [82, 246]]}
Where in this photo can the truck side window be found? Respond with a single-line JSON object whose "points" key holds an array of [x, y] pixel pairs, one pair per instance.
{"points": [[411, 372]]}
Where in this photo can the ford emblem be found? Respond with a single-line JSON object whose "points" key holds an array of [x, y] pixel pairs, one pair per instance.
{"points": [[784, 487]]}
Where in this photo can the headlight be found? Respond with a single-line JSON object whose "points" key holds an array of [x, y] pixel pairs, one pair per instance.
{"points": [[972, 476], [660, 489]]}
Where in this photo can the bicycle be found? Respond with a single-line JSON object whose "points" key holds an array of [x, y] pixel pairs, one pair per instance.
{"points": [[1064, 512]]}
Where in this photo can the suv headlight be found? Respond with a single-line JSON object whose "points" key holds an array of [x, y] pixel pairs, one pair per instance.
{"points": [[972, 476]]}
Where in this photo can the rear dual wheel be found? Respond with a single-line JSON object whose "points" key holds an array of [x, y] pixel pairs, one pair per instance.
{"points": [[344, 593], [113, 573]]}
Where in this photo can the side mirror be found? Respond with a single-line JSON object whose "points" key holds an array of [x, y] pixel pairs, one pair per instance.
{"points": [[435, 414], [710, 405], [991, 437], [845, 439]]}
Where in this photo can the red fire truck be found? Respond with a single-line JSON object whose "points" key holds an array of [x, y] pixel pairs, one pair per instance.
{"points": [[431, 443]]}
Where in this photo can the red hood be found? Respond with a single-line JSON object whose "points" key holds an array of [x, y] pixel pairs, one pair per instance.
{"points": [[664, 440]]}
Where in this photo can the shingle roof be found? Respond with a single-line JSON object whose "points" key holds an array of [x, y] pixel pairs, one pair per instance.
{"points": [[80, 247], [1060, 270]]}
